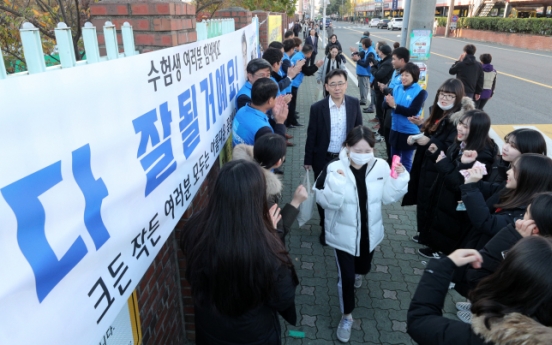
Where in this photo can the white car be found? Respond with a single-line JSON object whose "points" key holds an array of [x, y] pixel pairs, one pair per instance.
{"points": [[374, 22], [395, 23]]}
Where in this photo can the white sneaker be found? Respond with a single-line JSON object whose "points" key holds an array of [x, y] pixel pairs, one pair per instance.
{"points": [[344, 330], [464, 316], [463, 306], [358, 281]]}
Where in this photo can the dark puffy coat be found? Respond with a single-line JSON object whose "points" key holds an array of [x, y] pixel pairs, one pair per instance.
{"points": [[480, 200], [493, 254], [449, 227], [424, 174], [259, 326], [327, 51], [498, 172], [470, 73], [486, 221], [427, 326]]}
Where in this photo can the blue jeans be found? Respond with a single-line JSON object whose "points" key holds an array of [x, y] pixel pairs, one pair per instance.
{"points": [[406, 157]]}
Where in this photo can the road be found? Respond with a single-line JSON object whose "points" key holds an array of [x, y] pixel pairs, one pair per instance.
{"points": [[524, 83]]}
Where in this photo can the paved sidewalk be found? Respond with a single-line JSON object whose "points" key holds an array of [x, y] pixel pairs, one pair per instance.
{"points": [[383, 300]]}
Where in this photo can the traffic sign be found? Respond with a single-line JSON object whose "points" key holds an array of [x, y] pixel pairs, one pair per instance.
{"points": [[454, 18]]}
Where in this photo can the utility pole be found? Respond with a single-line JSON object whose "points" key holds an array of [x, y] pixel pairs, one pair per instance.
{"points": [[449, 17], [406, 18], [324, 22], [421, 16]]}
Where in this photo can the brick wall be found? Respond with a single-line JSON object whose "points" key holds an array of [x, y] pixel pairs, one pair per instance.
{"points": [[156, 25], [523, 41], [241, 16]]}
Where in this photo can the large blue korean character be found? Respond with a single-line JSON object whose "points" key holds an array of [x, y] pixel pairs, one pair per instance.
{"points": [[159, 162], [189, 120]]}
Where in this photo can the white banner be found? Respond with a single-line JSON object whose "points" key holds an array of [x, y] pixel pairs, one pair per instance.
{"points": [[98, 164]]}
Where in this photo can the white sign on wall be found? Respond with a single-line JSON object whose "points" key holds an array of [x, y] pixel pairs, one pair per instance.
{"points": [[98, 163]]}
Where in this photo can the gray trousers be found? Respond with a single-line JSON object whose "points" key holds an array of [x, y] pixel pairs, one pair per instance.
{"points": [[364, 87]]}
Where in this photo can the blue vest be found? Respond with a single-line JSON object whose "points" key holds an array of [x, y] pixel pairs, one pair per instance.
{"points": [[404, 97], [245, 90], [246, 124], [365, 71], [299, 78], [395, 80]]}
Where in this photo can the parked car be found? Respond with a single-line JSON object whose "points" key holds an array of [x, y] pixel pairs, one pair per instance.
{"points": [[382, 24], [374, 22], [395, 23]]}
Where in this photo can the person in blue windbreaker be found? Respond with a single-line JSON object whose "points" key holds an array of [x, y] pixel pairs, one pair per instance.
{"points": [[251, 121], [407, 102]]}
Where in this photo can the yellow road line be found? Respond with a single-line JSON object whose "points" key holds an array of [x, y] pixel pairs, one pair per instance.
{"points": [[503, 73], [506, 74]]}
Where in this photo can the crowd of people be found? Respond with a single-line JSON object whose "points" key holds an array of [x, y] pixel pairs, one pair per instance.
{"points": [[483, 214]]}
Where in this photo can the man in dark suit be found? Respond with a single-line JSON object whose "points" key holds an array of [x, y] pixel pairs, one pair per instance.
{"points": [[312, 39], [329, 122]]}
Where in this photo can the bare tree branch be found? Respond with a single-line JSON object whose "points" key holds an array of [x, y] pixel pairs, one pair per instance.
{"points": [[203, 6]]}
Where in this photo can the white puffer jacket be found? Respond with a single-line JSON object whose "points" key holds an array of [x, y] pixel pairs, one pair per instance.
{"points": [[339, 198]]}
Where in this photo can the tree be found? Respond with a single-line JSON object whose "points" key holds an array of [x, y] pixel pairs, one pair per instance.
{"points": [[44, 15], [282, 6]]}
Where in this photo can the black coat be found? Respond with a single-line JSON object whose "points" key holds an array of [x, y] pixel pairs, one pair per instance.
{"points": [[327, 51], [498, 172], [470, 73], [424, 176], [449, 227], [318, 131], [258, 326], [493, 254], [480, 200], [425, 322], [382, 72]]}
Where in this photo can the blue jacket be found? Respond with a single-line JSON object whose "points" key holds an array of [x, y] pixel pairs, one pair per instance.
{"points": [[365, 71], [299, 78], [410, 102], [245, 90], [246, 124]]}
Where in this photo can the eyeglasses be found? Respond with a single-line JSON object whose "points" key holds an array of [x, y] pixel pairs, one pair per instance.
{"points": [[447, 96], [261, 75], [334, 85]]}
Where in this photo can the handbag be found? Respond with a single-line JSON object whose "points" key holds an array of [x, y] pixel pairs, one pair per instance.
{"points": [[307, 206]]}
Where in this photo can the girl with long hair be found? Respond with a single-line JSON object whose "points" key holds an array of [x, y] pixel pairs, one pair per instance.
{"points": [[537, 221], [269, 152], [491, 207], [447, 223], [331, 61], [516, 143], [438, 134], [239, 271], [351, 190], [513, 306]]}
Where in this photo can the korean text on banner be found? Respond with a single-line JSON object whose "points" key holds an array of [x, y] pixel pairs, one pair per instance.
{"points": [[99, 163]]}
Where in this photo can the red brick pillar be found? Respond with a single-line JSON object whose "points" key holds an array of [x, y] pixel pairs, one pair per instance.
{"points": [[241, 16], [156, 25], [164, 297]]}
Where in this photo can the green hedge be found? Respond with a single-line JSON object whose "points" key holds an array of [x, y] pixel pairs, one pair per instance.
{"points": [[535, 26], [441, 21]]}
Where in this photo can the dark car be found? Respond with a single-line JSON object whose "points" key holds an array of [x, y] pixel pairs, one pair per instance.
{"points": [[383, 24]]}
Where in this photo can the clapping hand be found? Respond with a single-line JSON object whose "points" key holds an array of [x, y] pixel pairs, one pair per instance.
{"points": [[469, 156], [280, 110], [275, 215], [462, 257], [390, 100]]}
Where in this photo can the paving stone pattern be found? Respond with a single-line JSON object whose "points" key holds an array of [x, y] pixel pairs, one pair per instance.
{"points": [[383, 300]]}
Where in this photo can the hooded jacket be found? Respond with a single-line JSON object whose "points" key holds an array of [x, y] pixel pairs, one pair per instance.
{"points": [[470, 73], [321, 75], [489, 81], [426, 324], [424, 175], [339, 198], [273, 190]]}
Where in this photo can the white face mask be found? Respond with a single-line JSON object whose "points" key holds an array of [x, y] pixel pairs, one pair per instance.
{"points": [[361, 158], [445, 107]]}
